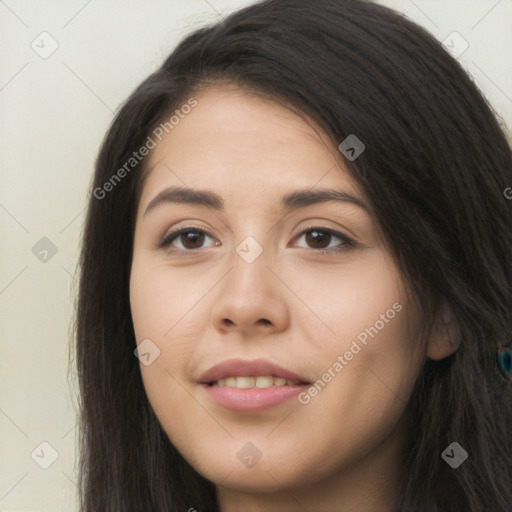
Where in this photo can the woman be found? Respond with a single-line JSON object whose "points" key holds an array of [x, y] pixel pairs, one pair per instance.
{"points": [[295, 277]]}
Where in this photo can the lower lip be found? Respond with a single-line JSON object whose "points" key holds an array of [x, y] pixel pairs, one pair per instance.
{"points": [[252, 400]]}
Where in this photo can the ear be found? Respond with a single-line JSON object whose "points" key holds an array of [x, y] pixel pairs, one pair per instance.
{"points": [[444, 339]]}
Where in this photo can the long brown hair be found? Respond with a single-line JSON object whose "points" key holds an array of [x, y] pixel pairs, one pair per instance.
{"points": [[435, 167]]}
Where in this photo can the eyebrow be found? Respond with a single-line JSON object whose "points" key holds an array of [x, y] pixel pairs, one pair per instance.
{"points": [[292, 201]]}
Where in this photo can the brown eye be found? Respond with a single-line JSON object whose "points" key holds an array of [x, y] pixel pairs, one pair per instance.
{"points": [[192, 239], [186, 239], [326, 240], [318, 239]]}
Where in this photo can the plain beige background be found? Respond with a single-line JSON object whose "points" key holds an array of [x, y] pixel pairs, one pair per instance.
{"points": [[55, 109]]}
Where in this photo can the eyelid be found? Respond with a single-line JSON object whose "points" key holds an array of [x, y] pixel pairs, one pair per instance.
{"points": [[319, 226]]}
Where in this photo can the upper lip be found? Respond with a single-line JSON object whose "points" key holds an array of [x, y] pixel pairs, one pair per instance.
{"points": [[240, 368]]}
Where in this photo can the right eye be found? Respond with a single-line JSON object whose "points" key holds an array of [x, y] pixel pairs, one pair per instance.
{"points": [[189, 238]]}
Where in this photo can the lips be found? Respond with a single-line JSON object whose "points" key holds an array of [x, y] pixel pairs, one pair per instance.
{"points": [[240, 368], [251, 386]]}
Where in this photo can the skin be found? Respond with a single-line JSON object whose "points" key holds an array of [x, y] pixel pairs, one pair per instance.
{"points": [[342, 451]]}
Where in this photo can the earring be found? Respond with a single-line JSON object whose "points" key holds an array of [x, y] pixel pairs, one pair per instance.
{"points": [[504, 360]]}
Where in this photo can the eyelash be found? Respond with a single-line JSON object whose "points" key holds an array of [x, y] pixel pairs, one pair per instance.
{"points": [[347, 243]]}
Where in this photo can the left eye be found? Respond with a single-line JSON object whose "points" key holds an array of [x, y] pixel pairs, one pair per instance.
{"points": [[323, 240]]}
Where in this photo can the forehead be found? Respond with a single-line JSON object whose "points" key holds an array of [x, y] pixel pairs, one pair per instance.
{"points": [[232, 140], [231, 108]]}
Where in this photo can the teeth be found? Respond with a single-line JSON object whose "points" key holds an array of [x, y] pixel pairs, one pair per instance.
{"points": [[245, 382], [230, 381], [265, 381], [260, 381]]}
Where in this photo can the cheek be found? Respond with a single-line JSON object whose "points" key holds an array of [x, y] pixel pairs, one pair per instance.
{"points": [[164, 299], [346, 300], [167, 309], [368, 355]]}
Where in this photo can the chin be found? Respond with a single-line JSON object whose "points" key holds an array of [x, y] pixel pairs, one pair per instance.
{"points": [[252, 480], [265, 476]]}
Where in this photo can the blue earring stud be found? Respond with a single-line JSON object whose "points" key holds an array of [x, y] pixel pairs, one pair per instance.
{"points": [[504, 360]]}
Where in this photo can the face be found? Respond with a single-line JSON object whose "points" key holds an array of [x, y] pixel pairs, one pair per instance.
{"points": [[279, 339]]}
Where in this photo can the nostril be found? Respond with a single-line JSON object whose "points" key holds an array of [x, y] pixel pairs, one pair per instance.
{"points": [[228, 323]]}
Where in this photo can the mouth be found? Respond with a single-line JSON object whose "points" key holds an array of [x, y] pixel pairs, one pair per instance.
{"points": [[251, 386], [250, 382]]}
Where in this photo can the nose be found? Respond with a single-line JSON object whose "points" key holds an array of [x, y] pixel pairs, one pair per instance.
{"points": [[251, 300]]}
